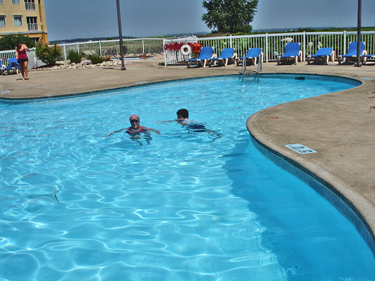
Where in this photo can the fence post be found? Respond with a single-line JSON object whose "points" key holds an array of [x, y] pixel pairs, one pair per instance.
{"points": [[100, 48], [64, 53], [165, 53], [266, 47], [230, 40], [304, 46], [344, 49], [143, 45], [77, 47]]}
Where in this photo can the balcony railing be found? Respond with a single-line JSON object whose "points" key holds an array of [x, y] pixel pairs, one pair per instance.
{"points": [[32, 26], [30, 5]]}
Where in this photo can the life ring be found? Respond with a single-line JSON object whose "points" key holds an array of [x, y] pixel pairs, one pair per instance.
{"points": [[185, 50]]}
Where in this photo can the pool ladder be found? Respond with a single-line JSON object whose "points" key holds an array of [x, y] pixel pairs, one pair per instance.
{"points": [[259, 68]]}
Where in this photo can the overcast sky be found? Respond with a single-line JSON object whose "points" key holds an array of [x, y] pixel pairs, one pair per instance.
{"points": [[71, 19]]}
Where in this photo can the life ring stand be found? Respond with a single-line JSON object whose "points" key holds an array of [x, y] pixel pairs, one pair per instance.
{"points": [[185, 50]]}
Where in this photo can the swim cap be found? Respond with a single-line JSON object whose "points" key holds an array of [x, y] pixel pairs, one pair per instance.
{"points": [[134, 117]]}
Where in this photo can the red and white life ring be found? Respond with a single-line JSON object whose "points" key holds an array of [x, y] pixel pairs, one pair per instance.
{"points": [[185, 50]]}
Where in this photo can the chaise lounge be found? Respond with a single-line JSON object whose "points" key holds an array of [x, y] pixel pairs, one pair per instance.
{"points": [[352, 53], [226, 55], [369, 56], [292, 53], [251, 56], [205, 54], [322, 55]]}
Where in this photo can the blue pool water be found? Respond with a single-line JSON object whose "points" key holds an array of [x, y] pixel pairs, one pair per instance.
{"points": [[182, 205]]}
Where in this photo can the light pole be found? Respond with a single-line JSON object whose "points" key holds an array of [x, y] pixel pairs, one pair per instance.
{"points": [[120, 33], [359, 63]]}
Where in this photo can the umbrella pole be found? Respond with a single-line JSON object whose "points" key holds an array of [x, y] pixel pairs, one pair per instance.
{"points": [[359, 63], [120, 33]]}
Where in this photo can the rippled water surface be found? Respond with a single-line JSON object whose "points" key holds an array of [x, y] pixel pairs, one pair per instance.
{"points": [[182, 205]]}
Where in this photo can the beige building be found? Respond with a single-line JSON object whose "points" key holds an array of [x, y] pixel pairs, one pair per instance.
{"points": [[27, 17]]}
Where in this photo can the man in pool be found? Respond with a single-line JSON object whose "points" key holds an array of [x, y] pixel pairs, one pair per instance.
{"points": [[135, 127]]}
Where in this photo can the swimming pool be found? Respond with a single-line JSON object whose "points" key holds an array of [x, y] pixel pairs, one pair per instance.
{"points": [[177, 206]]}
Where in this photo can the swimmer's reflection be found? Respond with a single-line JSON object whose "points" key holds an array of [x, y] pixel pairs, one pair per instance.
{"points": [[137, 137]]}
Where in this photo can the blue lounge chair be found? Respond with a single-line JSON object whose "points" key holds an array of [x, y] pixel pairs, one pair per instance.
{"points": [[323, 54], [204, 56], [352, 52], [226, 55], [292, 52], [253, 55], [12, 66], [369, 57]]}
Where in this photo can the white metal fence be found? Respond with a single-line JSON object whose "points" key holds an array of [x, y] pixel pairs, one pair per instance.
{"points": [[272, 45], [104, 48], [112, 47]]}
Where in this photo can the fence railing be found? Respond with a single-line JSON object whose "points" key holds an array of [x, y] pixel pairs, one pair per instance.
{"points": [[29, 5], [273, 45], [112, 47], [32, 27]]}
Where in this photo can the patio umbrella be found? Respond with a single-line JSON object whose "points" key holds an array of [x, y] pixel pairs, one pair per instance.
{"points": [[287, 39]]}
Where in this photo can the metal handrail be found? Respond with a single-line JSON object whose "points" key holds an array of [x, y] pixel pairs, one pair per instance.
{"points": [[260, 63], [243, 64]]}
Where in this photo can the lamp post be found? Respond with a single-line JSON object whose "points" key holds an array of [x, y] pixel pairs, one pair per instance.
{"points": [[120, 35], [359, 63]]}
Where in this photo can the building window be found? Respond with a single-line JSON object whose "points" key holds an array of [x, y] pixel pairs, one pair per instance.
{"points": [[17, 20], [32, 25], [35, 39], [15, 1], [30, 4], [2, 21]]}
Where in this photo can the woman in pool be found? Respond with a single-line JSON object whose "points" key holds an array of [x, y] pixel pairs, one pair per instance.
{"points": [[135, 128], [22, 59]]}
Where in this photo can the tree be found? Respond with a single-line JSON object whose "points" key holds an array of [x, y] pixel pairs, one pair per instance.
{"points": [[229, 15], [9, 42]]}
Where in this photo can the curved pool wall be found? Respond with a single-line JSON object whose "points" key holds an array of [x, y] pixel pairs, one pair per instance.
{"points": [[324, 188]]}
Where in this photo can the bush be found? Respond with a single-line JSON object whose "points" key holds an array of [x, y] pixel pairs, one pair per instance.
{"points": [[73, 56], [9, 42], [95, 59], [47, 54]]}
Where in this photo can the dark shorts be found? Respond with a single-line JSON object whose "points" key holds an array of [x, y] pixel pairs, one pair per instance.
{"points": [[22, 60], [197, 128]]}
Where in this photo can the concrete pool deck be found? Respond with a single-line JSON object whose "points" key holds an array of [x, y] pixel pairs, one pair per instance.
{"points": [[339, 126]]}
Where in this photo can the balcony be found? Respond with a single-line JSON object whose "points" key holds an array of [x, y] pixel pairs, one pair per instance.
{"points": [[30, 5], [32, 26]]}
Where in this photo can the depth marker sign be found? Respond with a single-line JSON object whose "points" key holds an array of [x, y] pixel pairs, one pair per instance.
{"points": [[301, 149]]}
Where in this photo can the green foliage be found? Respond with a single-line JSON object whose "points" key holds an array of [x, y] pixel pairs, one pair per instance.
{"points": [[9, 42], [95, 59], [47, 54], [73, 56], [229, 15]]}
